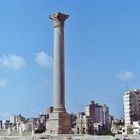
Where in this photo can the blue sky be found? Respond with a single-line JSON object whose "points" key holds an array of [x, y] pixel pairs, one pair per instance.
{"points": [[102, 45]]}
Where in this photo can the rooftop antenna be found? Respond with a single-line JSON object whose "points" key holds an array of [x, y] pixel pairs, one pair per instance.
{"points": [[126, 88]]}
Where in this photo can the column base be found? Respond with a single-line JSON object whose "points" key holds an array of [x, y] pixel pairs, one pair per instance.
{"points": [[59, 109], [59, 123]]}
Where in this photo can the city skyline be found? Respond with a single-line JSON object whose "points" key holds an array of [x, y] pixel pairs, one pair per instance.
{"points": [[101, 54]]}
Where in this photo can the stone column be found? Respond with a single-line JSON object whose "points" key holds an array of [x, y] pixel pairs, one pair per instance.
{"points": [[59, 73], [59, 120]]}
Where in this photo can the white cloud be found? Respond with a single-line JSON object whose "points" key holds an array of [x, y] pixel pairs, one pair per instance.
{"points": [[12, 61], [3, 82], [125, 75], [43, 59]]}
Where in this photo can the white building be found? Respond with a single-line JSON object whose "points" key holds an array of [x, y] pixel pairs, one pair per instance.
{"points": [[84, 124], [26, 126], [136, 127], [131, 106], [12, 119]]}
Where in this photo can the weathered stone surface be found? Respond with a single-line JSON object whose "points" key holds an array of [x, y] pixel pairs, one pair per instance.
{"points": [[59, 123]]}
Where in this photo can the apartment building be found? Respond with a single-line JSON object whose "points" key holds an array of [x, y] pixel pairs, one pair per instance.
{"points": [[131, 106]]}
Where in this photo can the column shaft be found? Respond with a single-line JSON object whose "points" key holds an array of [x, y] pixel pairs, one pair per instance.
{"points": [[59, 74]]}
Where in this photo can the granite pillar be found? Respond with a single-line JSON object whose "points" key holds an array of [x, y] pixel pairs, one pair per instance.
{"points": [[59, 120]]}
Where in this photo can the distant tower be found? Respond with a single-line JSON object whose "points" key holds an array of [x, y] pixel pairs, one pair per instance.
{"points": [[59, 121]]}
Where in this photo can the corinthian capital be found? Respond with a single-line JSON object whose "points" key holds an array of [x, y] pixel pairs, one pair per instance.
{"points": [[58, 19]]}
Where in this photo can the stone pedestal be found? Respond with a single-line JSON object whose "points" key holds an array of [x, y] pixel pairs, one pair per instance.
{"points": [[59, 121]]}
